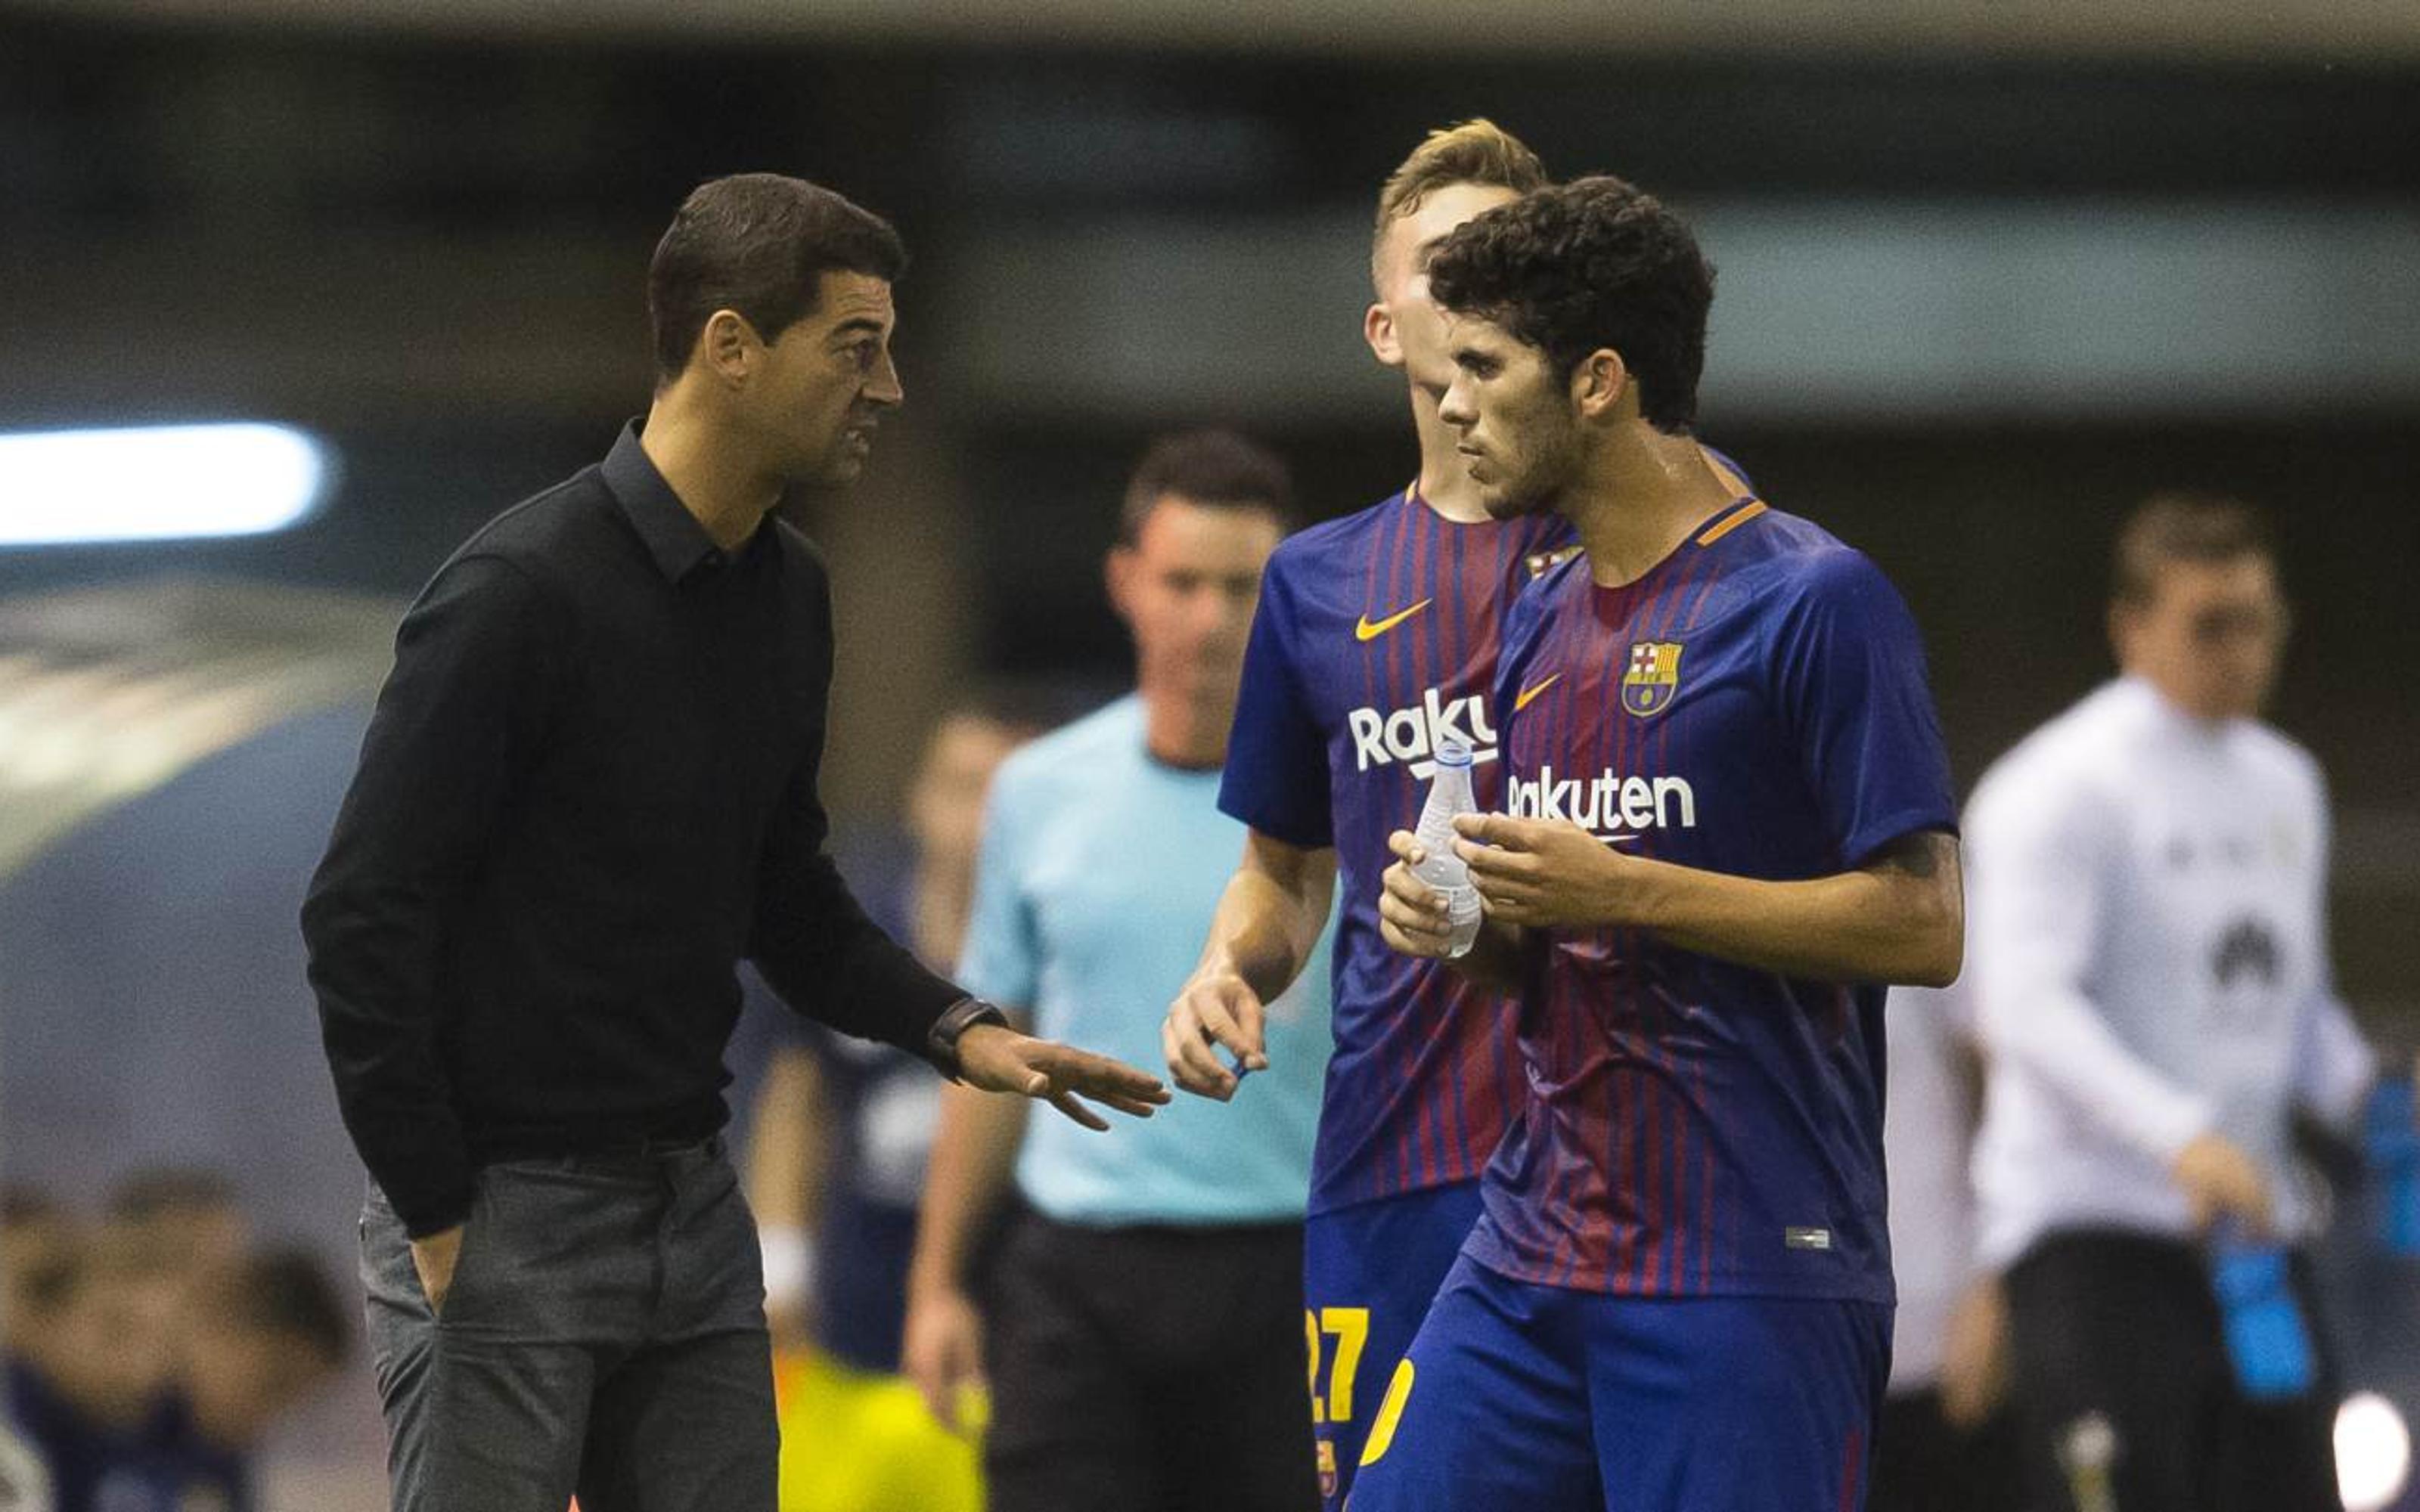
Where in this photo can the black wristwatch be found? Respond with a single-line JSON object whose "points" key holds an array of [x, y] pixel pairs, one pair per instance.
{"points": [[941, 1039]]}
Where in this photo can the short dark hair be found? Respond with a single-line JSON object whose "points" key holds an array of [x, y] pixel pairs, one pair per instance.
{"points": [[159, 1191], [1594, 263], [2183, 526], [1217, 469], [287, 1292], [21, 1202], [1024, 707], [757, 243]]}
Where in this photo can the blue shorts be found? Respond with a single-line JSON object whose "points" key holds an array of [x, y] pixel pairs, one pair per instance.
{"points": [[1545, 1399], [1369, 1273]]}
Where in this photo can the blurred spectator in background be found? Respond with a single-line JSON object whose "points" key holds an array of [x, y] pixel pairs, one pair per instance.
{"points": [[1146, 1347], [36, 1236], [836, 1156], [2150, 951], [145, 1379], [97, 1351], [841, 1126], [186, 1212], [1946, 1441], [266, 1333]]}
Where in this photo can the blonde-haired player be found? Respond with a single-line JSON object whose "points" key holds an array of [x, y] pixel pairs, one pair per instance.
{"points": [[1376, 638]]}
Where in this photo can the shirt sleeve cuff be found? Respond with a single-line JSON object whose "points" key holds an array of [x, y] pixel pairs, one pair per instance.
{"points": [[941, 1041], [427, 1211], [2168, 1126]]}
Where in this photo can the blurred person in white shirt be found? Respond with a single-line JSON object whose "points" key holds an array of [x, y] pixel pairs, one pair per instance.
{"points": [[2147, 948]]}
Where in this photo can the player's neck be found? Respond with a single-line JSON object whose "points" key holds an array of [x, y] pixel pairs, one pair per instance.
{"points": [[713, 482], [1446, 483], [1643, 493]]}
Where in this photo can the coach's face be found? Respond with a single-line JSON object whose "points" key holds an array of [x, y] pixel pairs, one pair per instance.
{"points": [[825, 383], [1405, 327], [2209, 636], [1518, 434]]}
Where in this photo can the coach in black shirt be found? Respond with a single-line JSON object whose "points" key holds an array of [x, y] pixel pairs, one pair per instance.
{"points": [[589, 789]]}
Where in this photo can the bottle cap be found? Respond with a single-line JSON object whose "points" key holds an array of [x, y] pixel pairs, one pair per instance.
{"points": [[1452, 752]]}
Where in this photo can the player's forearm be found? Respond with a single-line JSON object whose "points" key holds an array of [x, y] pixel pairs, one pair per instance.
{"points": [[974, 1153], [1900, 921], [1270, 915]]}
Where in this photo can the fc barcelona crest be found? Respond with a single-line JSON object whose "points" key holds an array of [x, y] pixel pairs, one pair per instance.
{"points": [[1653, 678]]}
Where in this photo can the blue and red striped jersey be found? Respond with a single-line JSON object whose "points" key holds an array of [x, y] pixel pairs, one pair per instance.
{"points": [[1754, 705], [1376, 635]]}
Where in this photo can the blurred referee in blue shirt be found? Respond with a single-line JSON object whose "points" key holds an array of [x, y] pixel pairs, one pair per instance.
{"points": [[1146, 1346]]}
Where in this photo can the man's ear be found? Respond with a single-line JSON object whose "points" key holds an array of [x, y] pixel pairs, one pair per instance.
{"points": [[1600, 384], [1378, 330], [2125, 621], [1117, 577], [730, 345]]}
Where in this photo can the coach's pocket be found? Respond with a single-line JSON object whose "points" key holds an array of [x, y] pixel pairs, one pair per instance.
{"points": [[474, 1238]]}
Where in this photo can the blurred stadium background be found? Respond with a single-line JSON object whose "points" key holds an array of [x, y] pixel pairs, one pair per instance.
{"points": [[1991, 270]]}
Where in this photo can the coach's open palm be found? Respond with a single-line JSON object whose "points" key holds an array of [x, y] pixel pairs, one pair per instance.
{"points": [[1002, 1060]]}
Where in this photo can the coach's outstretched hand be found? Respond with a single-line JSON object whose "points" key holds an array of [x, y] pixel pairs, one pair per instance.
{"points": [[1002, 1060]]}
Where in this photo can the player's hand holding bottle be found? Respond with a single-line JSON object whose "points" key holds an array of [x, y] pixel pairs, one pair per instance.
{"points": [[1550, 874], [1413, 918]]}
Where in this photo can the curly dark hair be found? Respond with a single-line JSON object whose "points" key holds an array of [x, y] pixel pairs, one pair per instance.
{"points": [[1594, 263]]}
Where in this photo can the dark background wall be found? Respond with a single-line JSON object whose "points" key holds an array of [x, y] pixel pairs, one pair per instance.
{"points": [[430, 247]]}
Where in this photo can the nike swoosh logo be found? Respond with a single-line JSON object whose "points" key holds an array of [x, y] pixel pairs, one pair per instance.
{"points": [[1522, 700], [1370, 630]]}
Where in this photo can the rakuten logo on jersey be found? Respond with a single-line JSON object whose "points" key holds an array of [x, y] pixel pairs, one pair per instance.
{"points": [[1610, 806], [1383, 738]]}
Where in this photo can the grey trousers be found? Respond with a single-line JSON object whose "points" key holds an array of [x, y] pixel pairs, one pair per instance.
{"points": [[604, 1334]]}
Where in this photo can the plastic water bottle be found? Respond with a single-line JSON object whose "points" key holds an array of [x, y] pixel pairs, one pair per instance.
{"points": [[2267, 1340], [2395, 1166], [1449, 794]]}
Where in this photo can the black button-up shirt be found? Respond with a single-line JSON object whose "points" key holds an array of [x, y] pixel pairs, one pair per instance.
{"points": [[588, 790]]}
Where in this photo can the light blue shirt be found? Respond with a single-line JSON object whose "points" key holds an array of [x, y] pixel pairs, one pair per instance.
{"points": [[1099, 872]]}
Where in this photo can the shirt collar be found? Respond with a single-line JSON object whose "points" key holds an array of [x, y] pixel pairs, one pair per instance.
{"points": [[674, 538]]}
